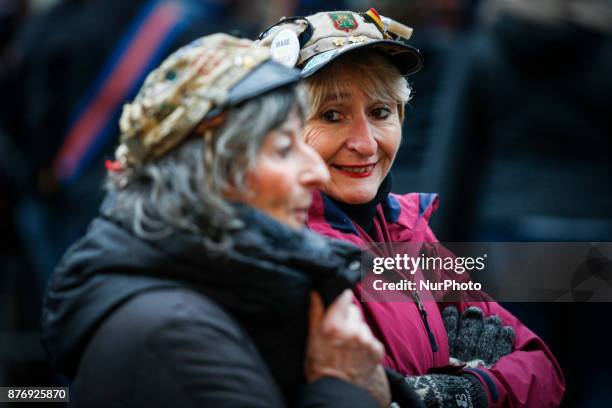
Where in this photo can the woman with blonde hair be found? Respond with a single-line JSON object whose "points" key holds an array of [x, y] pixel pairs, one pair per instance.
{"points": [[355, 65]]}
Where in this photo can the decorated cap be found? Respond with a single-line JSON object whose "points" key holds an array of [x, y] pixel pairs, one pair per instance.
{"points": [[194, 84], [313, 42]]}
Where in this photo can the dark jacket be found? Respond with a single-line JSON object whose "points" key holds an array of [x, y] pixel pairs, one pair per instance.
{"points": [[160, 323]]}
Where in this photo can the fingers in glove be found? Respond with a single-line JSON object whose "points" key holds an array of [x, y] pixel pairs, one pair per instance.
{"points": [[470, 328], [486, 346], [450, 316], [504, 344], [440, 390]]}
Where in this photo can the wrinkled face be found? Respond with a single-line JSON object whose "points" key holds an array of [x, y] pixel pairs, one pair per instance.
{"points": [[286, 172], [357, 136]]}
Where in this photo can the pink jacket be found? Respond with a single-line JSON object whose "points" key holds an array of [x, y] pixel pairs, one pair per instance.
{"points": [[528, 377]]}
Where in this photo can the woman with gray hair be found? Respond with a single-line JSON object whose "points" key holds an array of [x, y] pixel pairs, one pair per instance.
{"points": [[472, 353], [193, 287]]}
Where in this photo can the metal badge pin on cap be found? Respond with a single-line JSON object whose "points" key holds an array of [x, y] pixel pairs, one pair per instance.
{"points": [[285, 47]]}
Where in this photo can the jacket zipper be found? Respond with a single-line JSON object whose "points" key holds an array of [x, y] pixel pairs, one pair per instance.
{"points": [[366, 237], [423, 313]]}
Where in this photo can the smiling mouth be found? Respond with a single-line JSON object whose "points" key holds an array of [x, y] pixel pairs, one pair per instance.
{"points": [[355, 171]]}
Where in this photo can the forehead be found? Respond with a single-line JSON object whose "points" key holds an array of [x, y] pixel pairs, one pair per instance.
{"points": [[341, 86], [333, 95], [362, 79]]}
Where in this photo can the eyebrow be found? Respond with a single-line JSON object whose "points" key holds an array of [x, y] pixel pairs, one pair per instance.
{"points": [[288, 132], [284, 131]]}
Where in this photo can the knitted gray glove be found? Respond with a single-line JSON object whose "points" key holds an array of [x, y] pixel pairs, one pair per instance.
{"points": [[449, 391], [475, 340]]}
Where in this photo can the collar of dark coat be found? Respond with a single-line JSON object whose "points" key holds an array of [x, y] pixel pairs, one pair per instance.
{"points": [[265, 277], [266, 257]]}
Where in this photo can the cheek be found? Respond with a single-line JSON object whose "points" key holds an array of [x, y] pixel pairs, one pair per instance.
{"points": [[322, 141], [271, 186], [390, 143]]}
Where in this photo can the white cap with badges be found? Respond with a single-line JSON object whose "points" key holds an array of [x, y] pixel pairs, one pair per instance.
{"points": [[314, 41]]}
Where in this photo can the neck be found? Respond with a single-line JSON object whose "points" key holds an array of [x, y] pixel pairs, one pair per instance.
{"points": [[363, 214]]}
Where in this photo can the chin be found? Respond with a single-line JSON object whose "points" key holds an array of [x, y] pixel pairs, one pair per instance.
{"points": [[354, 191], [355, 197]]}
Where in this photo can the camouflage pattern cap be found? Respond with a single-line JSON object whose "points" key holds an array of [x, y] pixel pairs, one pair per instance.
{"points": [[194, 83]]}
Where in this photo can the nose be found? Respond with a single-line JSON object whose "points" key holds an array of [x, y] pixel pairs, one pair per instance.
{"points": [[361, 139], [314, 172]]}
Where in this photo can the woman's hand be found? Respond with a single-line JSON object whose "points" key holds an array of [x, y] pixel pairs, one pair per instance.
{"points": [[378, 386], [475, 340], [340, 344]]}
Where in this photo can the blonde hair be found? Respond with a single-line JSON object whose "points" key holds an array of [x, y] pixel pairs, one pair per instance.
{"points": [[374, 73]]}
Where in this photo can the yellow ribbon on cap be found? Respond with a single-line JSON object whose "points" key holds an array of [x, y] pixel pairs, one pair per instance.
{"points": [[376, 18], [386, 24]]}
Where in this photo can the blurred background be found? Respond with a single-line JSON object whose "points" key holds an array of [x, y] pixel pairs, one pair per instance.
{"points": [[510, 122]]}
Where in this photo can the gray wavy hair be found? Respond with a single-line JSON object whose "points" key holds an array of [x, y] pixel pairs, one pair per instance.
{"points": [[184, 190]]}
